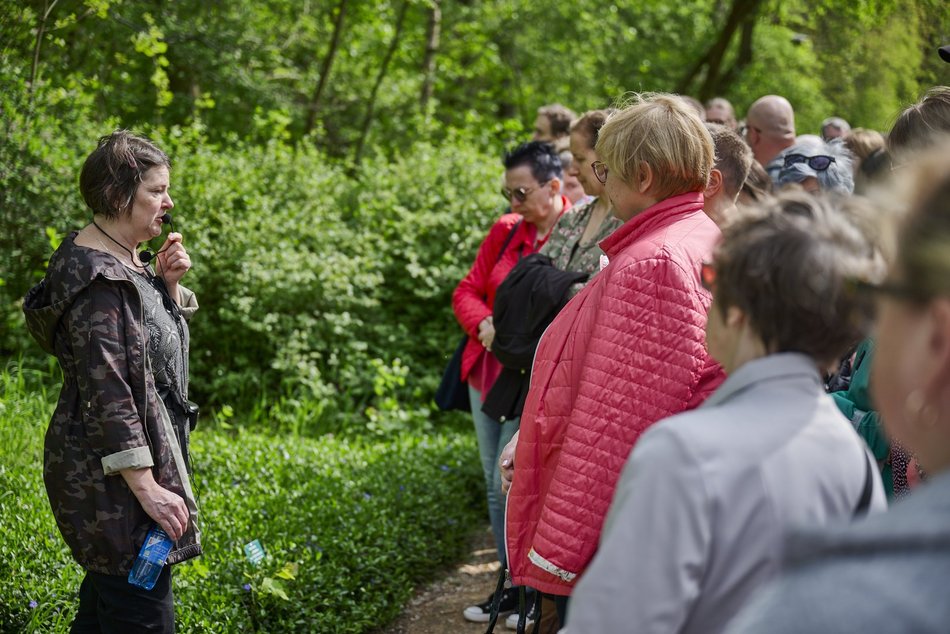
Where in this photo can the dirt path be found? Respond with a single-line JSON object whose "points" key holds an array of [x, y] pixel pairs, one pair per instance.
{"points": [[437, 608]]}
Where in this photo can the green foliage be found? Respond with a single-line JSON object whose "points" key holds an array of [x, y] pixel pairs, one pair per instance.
{"points": [[325, 285], [348, 527], [324, 298], [253, 69]]}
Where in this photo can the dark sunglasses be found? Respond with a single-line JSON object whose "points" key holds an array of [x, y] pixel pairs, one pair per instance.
{"points": [[818, 163], [707, 276], [521, 193]]}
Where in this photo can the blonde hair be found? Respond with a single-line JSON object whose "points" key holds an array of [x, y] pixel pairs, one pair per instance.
{"points": [[863, 142], [663, 132]]}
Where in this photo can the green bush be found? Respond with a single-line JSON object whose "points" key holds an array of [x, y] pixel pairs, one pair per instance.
{"points": [[349, 527], [325, 295]]}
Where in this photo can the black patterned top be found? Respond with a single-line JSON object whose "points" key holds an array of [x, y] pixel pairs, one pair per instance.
{"points": [[167, 339]]}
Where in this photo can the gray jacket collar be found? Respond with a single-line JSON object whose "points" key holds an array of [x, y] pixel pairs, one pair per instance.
{"points": [[781, 365]]}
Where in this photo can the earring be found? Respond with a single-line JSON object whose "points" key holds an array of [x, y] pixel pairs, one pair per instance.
{"points": [[917, 409]]}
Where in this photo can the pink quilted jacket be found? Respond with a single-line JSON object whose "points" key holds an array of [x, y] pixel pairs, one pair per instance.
{"points": [[626, 352]]}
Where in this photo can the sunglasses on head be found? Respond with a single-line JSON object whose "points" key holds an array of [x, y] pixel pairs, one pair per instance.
{"points": [[818, 163], [520, 193]]}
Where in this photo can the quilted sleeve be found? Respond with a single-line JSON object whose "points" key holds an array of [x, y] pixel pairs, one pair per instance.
{"points": [[643, 363], [469, 298]]}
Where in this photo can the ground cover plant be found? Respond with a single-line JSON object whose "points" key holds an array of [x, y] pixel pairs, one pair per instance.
{"points": [[349, 526]]}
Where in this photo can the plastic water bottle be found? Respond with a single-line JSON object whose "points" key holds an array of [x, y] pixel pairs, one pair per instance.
{"points": [[148, 565]]}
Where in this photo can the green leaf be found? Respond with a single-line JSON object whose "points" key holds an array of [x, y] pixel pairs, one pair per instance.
{"points": [[273, 587]]}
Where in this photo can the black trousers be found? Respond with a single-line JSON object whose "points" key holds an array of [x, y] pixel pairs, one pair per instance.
{"points": [[109, 604]]}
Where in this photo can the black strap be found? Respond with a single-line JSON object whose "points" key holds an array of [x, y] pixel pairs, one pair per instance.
{"points": [[511, 234], [865, 502], [538, 600], [496, 602], [522, 613]]}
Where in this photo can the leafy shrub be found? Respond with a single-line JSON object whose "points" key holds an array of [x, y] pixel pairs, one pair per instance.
{"points": [[349, 527], [325, 295]]}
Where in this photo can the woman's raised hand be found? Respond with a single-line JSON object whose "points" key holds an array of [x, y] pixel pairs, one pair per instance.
{"points": [[173, 263]]}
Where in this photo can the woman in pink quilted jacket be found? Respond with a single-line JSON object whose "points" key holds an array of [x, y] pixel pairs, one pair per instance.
{"points": [[626, 352]]}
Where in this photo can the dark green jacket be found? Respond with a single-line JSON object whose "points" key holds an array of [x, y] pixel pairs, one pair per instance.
{"points": [[88, 313], [855, 403]]}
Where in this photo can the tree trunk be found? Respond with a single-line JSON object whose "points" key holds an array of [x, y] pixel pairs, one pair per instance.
{"points": [[383, 69], [510, 82], [743, 59], [432, 48], [40, 32], [325, 69], [741, 12]]}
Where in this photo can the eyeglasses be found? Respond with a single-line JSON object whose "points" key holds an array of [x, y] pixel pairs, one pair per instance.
{"points": [[600, 171], [707, 276], [818, 163], [521, 193], [893, 288], [744, 130]]}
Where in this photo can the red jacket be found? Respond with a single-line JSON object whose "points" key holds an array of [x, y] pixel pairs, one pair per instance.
{"points": [[627, 351], [474, 297]]}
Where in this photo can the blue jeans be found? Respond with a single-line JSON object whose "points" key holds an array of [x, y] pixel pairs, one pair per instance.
{"points": [[492, 438]]}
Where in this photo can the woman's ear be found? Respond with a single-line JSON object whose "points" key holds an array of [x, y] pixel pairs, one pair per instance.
{"points": [[646, 178], [735, 317], [715, 183], [556, 186]]}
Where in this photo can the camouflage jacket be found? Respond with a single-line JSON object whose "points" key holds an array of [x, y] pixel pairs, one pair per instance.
{"points": [[88, 313]]}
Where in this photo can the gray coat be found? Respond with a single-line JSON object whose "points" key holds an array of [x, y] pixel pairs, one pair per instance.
{"points": [[700, 515], [889, 573]]}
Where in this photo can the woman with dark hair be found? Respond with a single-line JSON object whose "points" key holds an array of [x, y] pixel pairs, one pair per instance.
{"points": [[533, 188], [697, 522], [116, 452]]}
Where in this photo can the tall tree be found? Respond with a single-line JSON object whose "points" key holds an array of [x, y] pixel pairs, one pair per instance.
{"points": [[433, 33], [314, 105], [43, 18], [742, 14], [380, 76]]}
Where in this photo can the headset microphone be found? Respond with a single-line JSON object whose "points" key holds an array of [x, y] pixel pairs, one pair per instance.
{"points": [[148, 256]]}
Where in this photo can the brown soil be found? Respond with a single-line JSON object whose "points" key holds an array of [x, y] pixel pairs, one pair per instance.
{"points": [[437, 608]]}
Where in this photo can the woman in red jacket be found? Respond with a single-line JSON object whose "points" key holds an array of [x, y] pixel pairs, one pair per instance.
{"points": [[627, 351], [533, 187]]}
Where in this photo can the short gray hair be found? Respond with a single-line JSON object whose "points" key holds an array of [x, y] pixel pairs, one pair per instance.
{"points": [[837, 178], [789, 264]]}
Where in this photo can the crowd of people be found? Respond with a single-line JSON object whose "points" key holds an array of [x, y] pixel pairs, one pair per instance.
{"points": [[684, 422], [682, 418]]}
